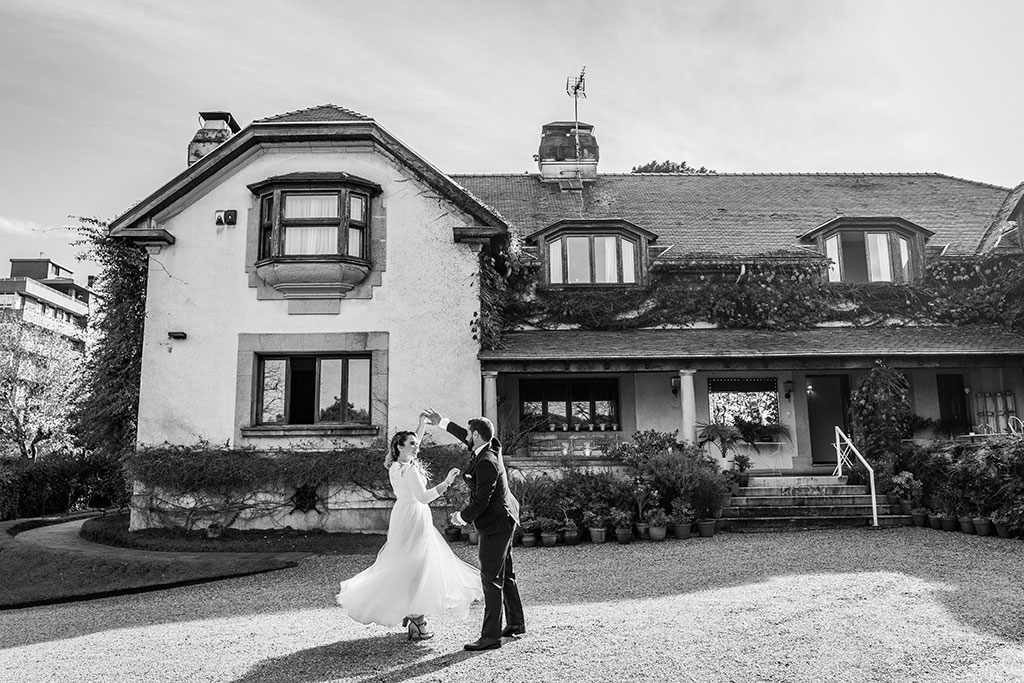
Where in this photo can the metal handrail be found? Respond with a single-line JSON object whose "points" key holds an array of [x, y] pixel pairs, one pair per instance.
{"points": [[1017, 428], [843, 449]]}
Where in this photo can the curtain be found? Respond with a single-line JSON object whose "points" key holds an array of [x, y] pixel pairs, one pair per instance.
{"points": [[307, 240], [311, 206]]}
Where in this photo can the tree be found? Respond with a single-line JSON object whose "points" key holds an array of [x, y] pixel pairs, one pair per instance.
{"points": [[107, 418], [40, 383], [671, 167]]}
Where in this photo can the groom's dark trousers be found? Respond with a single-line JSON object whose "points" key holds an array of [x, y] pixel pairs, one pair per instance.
{"points": [[495, 512]]}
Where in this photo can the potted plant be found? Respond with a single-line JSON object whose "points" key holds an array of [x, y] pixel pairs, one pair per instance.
{"points": [[622, 520], [1001, 522], [570, 532], [920, 516], [658, 521], [722, 435], [548, 531], [471, 534], [706, 491], [907, 490], [755, 432], [452, 533], [741, 462], [596, 521], [530, 529], [935, 519], [682, 518], [644, 496]]}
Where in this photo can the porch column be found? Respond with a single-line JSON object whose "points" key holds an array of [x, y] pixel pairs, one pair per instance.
{"points": [[491, 397], [688, 403]]}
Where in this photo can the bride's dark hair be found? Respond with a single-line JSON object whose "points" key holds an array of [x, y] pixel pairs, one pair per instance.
{"points": [[396, 441]]}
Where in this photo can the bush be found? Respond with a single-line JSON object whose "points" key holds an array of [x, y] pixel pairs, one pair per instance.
{"points": [[60, 482], [621, 519], [656, 517], [706, 489]]}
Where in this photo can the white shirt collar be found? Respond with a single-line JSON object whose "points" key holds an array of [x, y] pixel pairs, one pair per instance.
{"points": [[483, 446]]}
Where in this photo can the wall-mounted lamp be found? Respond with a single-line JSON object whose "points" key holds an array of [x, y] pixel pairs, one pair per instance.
{"points": [[225, 217], [176, 335], [676, 382], [810, 387], [788, 386], [967, 391]]}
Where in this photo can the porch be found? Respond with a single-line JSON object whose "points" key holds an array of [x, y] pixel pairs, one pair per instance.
{"points": [[572, 393]]}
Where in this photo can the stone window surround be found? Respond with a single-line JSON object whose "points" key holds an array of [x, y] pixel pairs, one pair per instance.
{"points": [[376, 251], [252, 345]]}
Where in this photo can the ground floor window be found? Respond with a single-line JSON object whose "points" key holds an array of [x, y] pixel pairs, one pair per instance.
{"points": [[574, 403], [751, 404], [313, 389]]}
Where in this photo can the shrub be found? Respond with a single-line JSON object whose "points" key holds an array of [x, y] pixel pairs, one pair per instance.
{"points": [[621, 519], [682, 514], [595, 517], [706, 489], [905, 487], [881, 416], [656, 517]]}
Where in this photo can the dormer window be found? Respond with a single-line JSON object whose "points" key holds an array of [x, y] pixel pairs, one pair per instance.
{"points": [[864, 250], [582, 253], [592, 260]]}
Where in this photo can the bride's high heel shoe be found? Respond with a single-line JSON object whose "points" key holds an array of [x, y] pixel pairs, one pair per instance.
{"points": [[417, 628]]}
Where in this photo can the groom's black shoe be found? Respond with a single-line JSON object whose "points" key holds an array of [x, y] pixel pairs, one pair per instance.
{"points": [[483, 644], [511, 630]]}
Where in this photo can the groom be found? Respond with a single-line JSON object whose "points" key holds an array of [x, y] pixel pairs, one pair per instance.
{"points": [[495, 511]]}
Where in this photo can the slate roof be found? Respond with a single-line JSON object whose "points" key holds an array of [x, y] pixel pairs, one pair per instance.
{"points": [[568, 345], [1001, 234], [748, 214], [318, 114]]}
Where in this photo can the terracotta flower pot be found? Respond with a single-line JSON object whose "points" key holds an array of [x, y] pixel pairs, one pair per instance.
{"points": [[549, 538], [643, 530], [935, 521], [949, 523], [452, 534], [920, 518], [966, 524], [682, 531], [983, 526], [623, 536], [906, 506], [571, 538], [529, 540], [706, 527], [1002, 530], [658, 533], [598, 534]]}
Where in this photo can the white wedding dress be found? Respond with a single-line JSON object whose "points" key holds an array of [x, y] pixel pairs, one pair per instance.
{"points": [[415, 572]]}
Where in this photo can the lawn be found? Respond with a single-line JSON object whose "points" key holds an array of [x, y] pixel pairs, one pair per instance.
{"points": [[113, 530], [31, 574]]}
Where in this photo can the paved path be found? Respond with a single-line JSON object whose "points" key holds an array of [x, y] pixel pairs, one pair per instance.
{"points": [[65, 537]]}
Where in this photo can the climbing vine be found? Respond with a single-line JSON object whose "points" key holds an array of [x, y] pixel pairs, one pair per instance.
{"points": [[770, 294]]}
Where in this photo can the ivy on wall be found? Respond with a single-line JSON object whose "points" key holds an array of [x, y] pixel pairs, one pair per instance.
{"points": [[768, 295]]}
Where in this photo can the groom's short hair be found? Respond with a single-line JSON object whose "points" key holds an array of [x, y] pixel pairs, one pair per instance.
{"points": [[483, 426]]}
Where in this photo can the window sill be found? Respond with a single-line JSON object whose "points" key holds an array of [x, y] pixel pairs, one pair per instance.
{"points": [[311, 430]]}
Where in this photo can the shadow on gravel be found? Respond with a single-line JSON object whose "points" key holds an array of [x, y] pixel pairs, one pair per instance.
{"points": [[365, 659], [976, 579]]}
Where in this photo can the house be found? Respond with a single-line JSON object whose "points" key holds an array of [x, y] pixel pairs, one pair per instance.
{"points": [[45, 294], [315, 281]]}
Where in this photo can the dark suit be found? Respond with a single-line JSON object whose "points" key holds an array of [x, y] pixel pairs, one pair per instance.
{"points": [[495, 512]]}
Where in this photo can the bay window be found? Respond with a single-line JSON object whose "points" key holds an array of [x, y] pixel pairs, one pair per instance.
{"points": [[868, 256]]}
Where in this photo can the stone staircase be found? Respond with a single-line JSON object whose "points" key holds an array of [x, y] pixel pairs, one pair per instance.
{"points": [[812, 502]]}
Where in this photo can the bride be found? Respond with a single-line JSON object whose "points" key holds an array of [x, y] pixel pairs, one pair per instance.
{"points": [[415, 573]]}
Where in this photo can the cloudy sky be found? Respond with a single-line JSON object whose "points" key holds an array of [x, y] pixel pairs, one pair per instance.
{"points": [[98, 99]]}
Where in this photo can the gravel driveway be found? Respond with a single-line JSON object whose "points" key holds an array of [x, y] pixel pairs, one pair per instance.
{"points": [[841, 605]]}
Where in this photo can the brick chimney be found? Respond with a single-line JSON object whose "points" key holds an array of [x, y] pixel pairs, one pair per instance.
{"points": [[215, 127], [557, 156]]}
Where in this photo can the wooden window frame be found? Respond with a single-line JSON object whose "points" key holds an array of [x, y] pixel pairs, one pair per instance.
{"points": [[276, 224], [591, 253], [893, 237], [257, 412], [591, 382]]}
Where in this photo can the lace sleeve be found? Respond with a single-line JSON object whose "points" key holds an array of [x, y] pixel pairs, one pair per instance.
{"points": [[417, 484]]}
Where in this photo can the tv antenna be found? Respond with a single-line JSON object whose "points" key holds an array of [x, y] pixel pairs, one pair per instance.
{"points": [[576, 87]]}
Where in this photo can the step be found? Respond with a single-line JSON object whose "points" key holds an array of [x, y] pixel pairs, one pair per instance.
{"points": [[789, 511], [807, 480], [762, 524], [757, 491], [791, 500]]}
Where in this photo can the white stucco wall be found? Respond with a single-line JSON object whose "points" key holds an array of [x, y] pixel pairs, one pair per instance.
{"points": [[200, 286]]}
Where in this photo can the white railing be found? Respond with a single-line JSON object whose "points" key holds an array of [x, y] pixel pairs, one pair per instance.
{"points": [[844, 447], [1016, 425]]}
